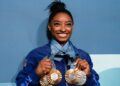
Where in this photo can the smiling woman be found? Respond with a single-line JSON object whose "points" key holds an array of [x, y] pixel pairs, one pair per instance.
{"points": [[96, 29], [58, 62], [61, 27]]}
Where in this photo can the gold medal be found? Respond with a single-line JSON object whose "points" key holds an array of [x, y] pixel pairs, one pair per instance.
{"points": [[44, 81], [54, 77], [77, 77], [81, 77], [70, 76]]}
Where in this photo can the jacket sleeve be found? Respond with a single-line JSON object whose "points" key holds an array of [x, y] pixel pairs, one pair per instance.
{"points": [[93, 79], [27, 75]]}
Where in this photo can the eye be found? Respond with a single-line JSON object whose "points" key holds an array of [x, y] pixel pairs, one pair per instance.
{"points": [[56, 24], [69, 24]]}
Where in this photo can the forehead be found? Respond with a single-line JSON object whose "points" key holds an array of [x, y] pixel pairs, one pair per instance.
{"points": [[62, 17]]}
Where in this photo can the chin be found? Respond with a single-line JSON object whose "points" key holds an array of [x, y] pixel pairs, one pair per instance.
{"points": [[62, 41]]}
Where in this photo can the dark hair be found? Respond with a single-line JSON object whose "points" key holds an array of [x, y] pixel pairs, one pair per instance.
{"points": [[57, 7]]}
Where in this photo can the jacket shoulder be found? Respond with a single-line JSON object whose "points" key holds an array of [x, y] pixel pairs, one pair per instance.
{"points": [[82, 52], [41, 51]]}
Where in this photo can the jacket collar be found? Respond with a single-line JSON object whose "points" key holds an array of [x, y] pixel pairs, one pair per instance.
{"points": [[49, 49]]}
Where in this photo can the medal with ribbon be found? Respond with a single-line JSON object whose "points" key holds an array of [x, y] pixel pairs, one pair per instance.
{"points": [[52, 78], [75, 76]]}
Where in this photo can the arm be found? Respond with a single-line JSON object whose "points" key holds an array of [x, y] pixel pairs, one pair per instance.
{"points": [[27, 75]]}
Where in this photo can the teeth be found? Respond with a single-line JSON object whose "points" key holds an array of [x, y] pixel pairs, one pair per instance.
{"points": [[62, 35]]}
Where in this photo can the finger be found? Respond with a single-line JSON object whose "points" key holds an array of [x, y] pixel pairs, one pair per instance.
{"points": [[87, 71], [46, 62], [48, 67], [83, 65], [78, 63], [77, 60], [86, 68], [46, 70]]}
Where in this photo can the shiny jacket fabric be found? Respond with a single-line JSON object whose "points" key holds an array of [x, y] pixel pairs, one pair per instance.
{"points": [[27, 76]]}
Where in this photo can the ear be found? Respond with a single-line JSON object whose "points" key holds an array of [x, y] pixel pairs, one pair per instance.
{"points": [[49, 27]]}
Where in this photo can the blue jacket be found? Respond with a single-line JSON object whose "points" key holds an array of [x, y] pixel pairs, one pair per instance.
{"points": [[27, 76]]}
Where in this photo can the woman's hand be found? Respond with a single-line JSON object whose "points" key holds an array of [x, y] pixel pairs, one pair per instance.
{"points": [[44, 67], [83, 65]]}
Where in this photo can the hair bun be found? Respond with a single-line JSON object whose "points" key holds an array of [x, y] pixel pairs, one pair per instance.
{"points": [[56, 6]]}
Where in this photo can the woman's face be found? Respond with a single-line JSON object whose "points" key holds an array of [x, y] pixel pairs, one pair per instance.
{"points": [[61, 27]]}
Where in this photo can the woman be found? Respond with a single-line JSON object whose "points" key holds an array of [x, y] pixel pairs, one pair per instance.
{"points": [[59, 51]]}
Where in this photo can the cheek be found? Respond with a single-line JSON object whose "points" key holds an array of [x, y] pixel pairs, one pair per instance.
{"points": [[69, 30], [54, 29]]}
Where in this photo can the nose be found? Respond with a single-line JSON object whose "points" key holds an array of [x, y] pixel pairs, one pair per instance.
{"points": [[63, 28]]}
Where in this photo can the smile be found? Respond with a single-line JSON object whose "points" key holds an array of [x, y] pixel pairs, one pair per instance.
{"points": [[62, 35]]}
